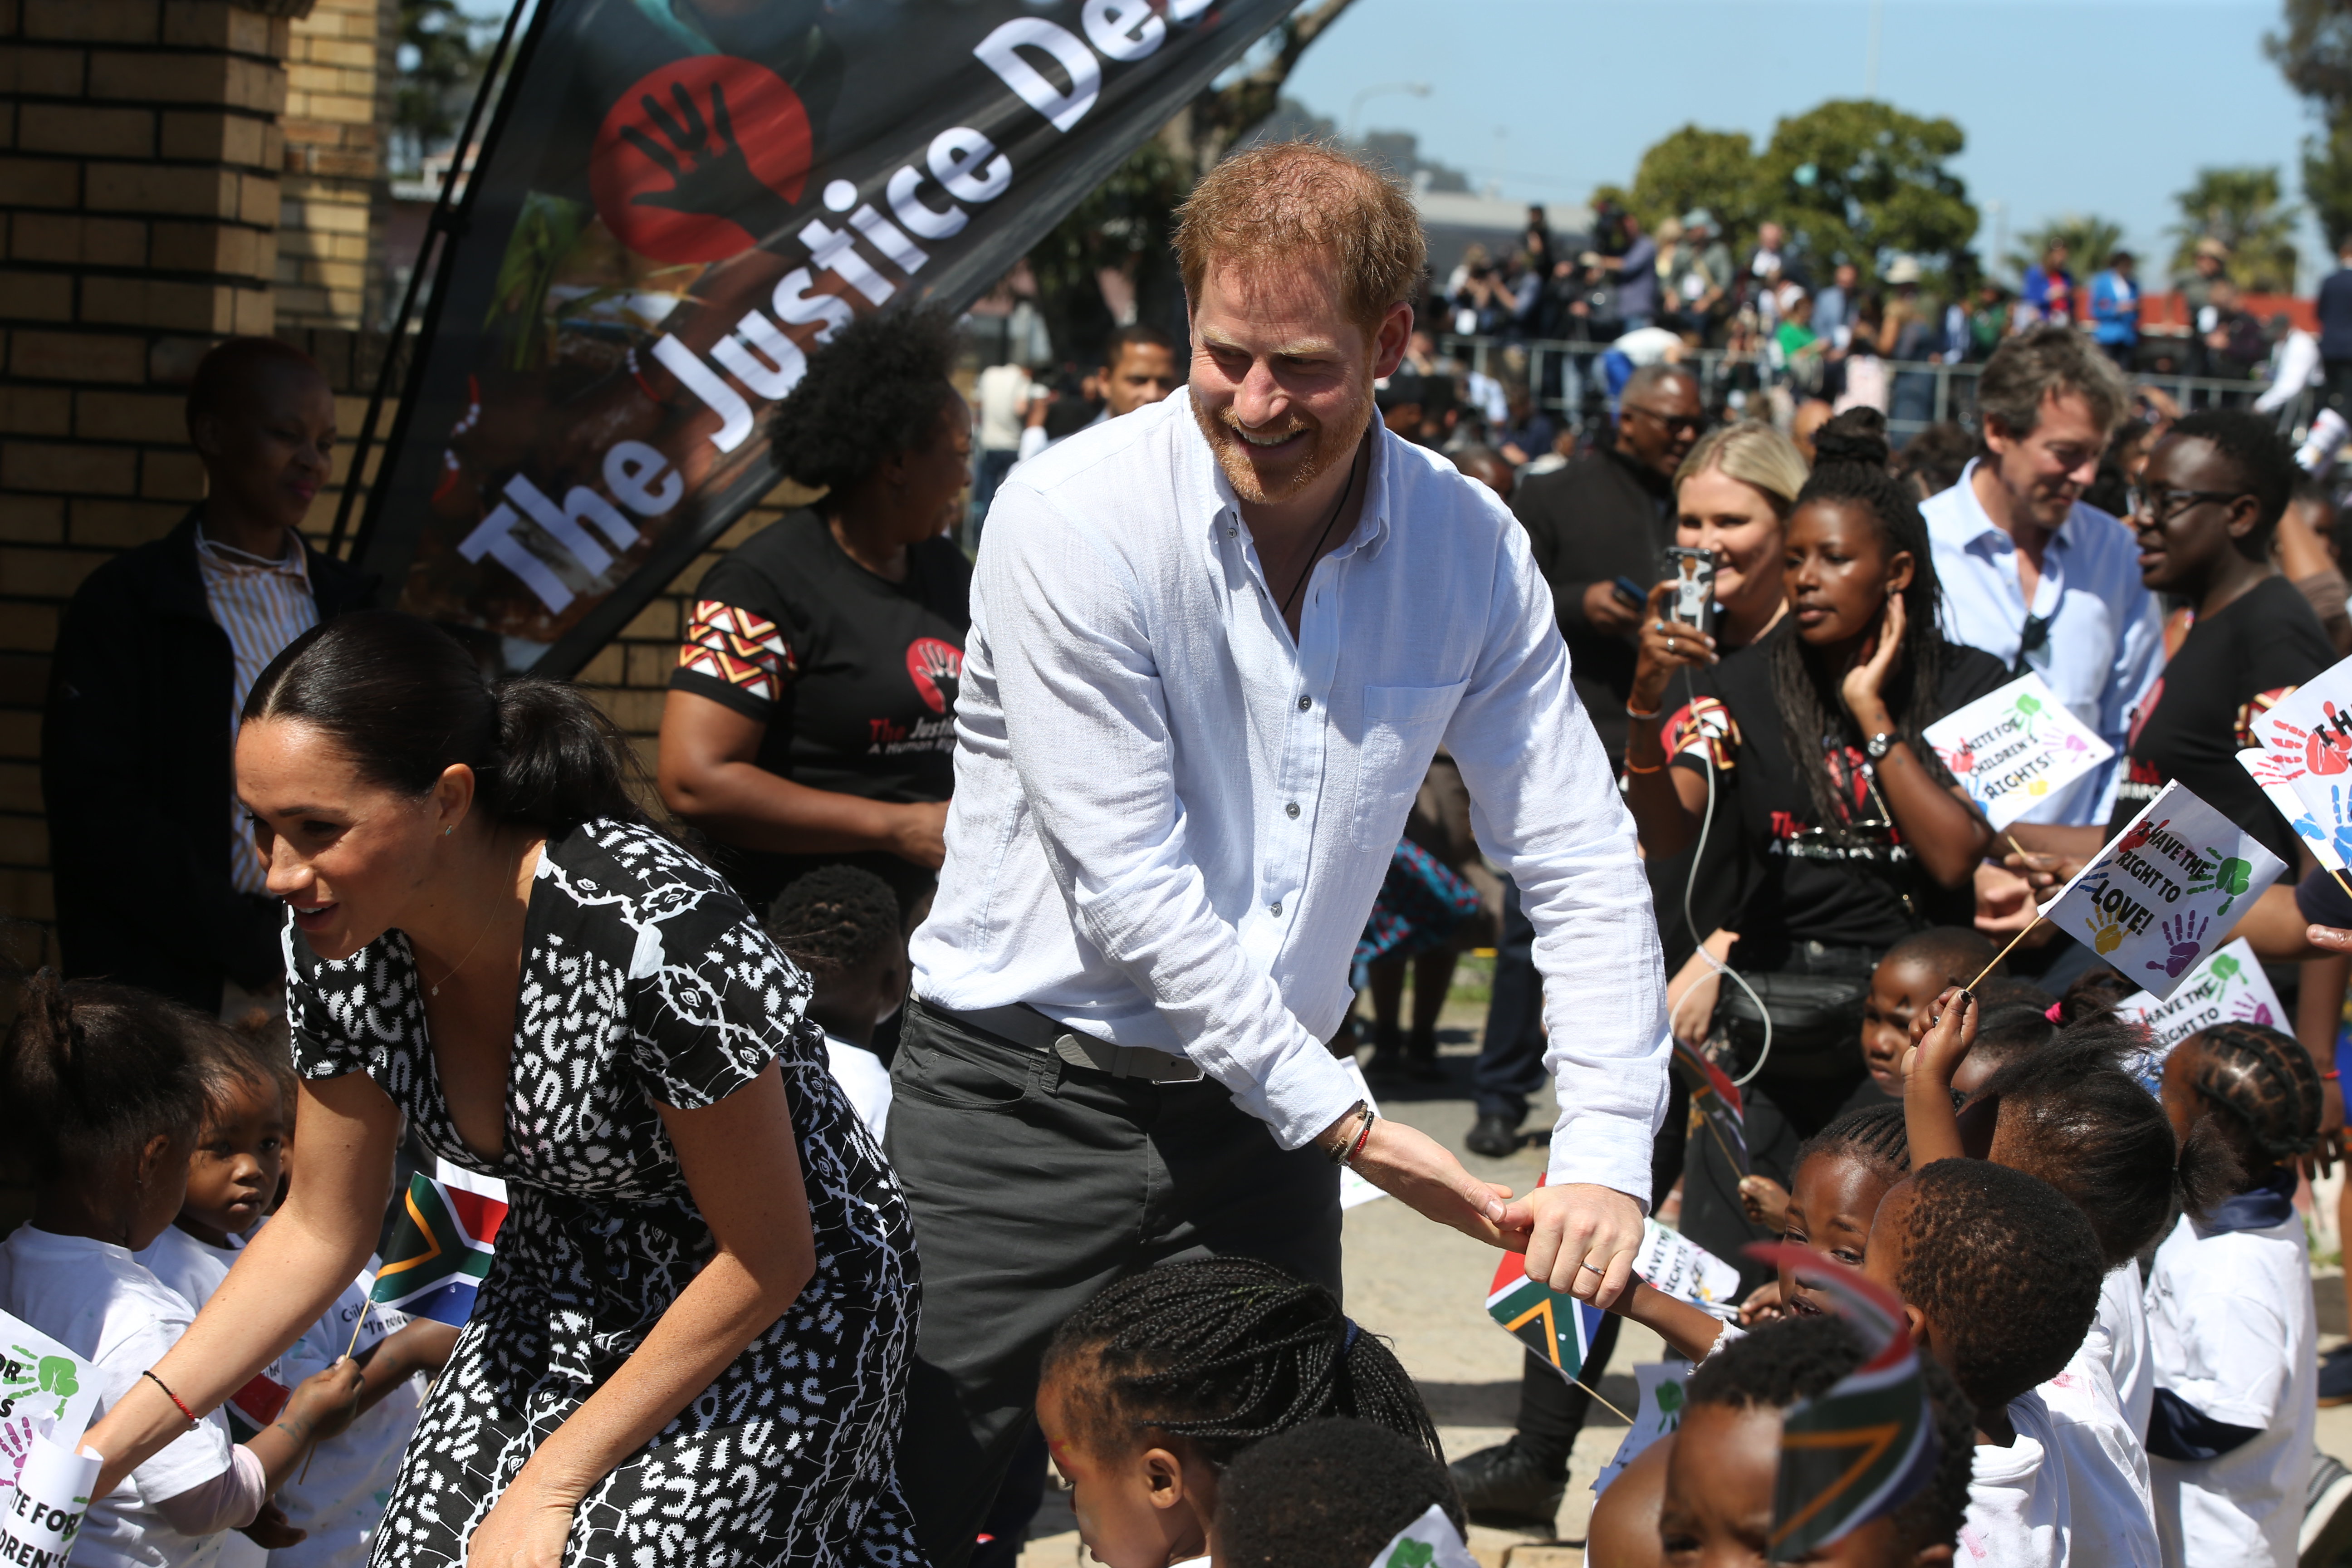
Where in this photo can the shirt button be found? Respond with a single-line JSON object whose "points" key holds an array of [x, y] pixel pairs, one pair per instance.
{"points": [[1291, 810], [1274, 909], [1305, 703]]}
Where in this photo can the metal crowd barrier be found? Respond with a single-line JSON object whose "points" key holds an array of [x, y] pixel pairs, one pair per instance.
{"points": [[1567, 380]]}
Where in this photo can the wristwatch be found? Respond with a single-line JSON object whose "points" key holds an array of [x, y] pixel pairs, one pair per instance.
{"points": [[1878, 745]]}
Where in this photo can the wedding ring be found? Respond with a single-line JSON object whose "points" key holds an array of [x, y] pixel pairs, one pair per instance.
{"points": [[1670, 645], [1594, 1268]]}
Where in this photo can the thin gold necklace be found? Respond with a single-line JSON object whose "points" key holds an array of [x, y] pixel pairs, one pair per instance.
{"points": [[461, 963]]}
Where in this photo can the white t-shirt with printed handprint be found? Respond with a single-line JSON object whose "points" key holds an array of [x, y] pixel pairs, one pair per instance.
{"points": [[96, 1299]]}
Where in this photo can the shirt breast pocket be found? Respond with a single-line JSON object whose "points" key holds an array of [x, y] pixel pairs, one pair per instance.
{"points": [[1402, 725]]}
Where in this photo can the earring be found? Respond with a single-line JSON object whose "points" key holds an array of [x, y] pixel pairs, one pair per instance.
{"points": [[446, 831]]}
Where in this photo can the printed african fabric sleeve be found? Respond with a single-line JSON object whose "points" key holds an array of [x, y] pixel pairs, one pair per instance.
{"points": [[738, 649]]}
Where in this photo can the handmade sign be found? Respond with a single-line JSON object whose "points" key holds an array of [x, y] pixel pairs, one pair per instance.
{"points": [[41, 1514], [2160, 896], [1657, 1411], [1429, 1541], [2014, 748], [1353, 1189], [1714, 1106], [46, 1390], [441, 1249], [2227, 986], [2318, 807], [1672, 1264], [1866, 1446]]}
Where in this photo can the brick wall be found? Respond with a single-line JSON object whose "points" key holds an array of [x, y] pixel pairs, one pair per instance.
{"points": [[140, 158], [338, 116]]}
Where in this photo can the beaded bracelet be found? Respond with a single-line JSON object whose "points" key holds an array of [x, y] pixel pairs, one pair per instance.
{"points": [[1633, 767], [1340, 1156], [1363, 1136], [177, 1403]]}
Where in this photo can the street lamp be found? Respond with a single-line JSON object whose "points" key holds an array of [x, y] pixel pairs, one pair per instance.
{"points": [[1356, 106]]}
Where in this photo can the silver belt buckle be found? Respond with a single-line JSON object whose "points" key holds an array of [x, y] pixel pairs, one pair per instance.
{"points": [[1124, 1061]]}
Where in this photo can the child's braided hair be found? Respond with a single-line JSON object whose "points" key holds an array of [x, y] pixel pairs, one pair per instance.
{"points": [[2265, 1080], [1223, 1352], [1874, 1135]]}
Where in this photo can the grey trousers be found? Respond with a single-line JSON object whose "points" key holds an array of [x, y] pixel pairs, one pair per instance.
{"points": [[1032, 1184]]}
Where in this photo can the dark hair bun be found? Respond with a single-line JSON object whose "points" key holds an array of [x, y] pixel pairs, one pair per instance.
{"points": [[91, 1071], [1856, 435]]}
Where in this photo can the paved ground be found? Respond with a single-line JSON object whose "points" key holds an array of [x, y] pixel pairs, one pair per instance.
{"points": [[1423, 1288]]}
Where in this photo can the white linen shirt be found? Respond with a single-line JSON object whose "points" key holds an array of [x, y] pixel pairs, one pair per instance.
{"points": [[1169, 822], [2107, 631]]}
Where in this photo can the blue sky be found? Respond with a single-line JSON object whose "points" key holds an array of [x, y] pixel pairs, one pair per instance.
{"points": [[2103, 106]]}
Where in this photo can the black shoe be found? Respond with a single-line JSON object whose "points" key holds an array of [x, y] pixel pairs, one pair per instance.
{"points": [[1494, 1135], [2326, 1520], [1421, 1059], [1388, 1063], [1509, 1487]]}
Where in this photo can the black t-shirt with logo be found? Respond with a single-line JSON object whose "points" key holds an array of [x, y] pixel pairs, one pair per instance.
{"points": [[855, 676], [1809, 888], [2233, 666]]}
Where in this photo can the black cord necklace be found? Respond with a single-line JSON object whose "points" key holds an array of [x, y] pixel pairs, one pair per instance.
{"points": [[1317, 553]]}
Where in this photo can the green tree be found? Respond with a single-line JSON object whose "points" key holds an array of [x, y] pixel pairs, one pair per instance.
{"points": [[1859, 181], [2089, 240], [439, 65], [2244, 209], [1697, 168], [2314, 55]]}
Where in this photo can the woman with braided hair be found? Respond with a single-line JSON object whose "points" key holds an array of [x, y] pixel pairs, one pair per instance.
{"points": [[2232, 1331], [1805, 747], [1148, 1391]]}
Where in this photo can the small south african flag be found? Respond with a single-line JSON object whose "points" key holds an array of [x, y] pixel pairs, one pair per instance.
{"points": [[440, 1250], [1552, 1324]]}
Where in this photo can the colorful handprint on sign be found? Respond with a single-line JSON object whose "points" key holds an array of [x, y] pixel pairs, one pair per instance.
{"points": [[2140, 833], [2185, 932], [2229, 876], [2246, 1010], [2107, 933], [2225, 968]]}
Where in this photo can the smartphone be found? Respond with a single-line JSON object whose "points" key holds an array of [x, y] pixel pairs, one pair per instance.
{"points": [[1630, 592], [1693, 575]]}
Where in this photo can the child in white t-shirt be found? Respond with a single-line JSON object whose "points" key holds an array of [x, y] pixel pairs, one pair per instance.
{"points": [[2230, 1326], [1999, 1278], [233, 1176], [842, 925], [105, 1100], [339, 1496], [2072, 1112]]}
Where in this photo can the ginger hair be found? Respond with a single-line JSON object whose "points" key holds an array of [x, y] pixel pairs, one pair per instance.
{"points": [[1297, 199]]}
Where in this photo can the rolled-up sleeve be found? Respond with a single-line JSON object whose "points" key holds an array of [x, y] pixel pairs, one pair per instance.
{"points": [[1545, 807], [1086, 727]]}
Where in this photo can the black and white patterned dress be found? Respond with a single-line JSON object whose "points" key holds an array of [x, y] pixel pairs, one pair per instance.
{"points": [[643, 979]]}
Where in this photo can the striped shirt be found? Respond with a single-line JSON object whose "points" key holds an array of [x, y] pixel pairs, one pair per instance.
{"points": [[262, 606]]}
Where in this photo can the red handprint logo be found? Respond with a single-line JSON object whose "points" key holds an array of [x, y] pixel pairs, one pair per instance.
{"points": [[2140, 834], [934, 666], [700, 160]]}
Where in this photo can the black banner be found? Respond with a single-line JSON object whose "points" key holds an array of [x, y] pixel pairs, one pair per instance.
{"points": [[681, 198]]}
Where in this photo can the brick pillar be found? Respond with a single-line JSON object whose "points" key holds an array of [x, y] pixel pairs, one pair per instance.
{"points": [[139, 190], [338, 115]]}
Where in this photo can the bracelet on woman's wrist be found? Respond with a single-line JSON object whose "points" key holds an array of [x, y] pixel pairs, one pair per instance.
{"points": [[1634, 712], [1340, 1154], [1633, 767], [177, 1403]]}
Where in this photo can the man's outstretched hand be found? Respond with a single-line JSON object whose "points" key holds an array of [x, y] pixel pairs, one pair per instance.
{"points": [[1409, 1164], [1578, 1239]]}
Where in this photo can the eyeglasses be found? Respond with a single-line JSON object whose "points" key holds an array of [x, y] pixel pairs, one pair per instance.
{"points": [[1691, 424], [2162, 506]]}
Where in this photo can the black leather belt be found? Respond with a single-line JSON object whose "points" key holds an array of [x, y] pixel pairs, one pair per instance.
{"points": [[1024, 1026]]}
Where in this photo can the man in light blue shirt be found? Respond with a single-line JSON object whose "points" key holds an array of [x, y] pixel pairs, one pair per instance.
{"points": [[2034, 576]]}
